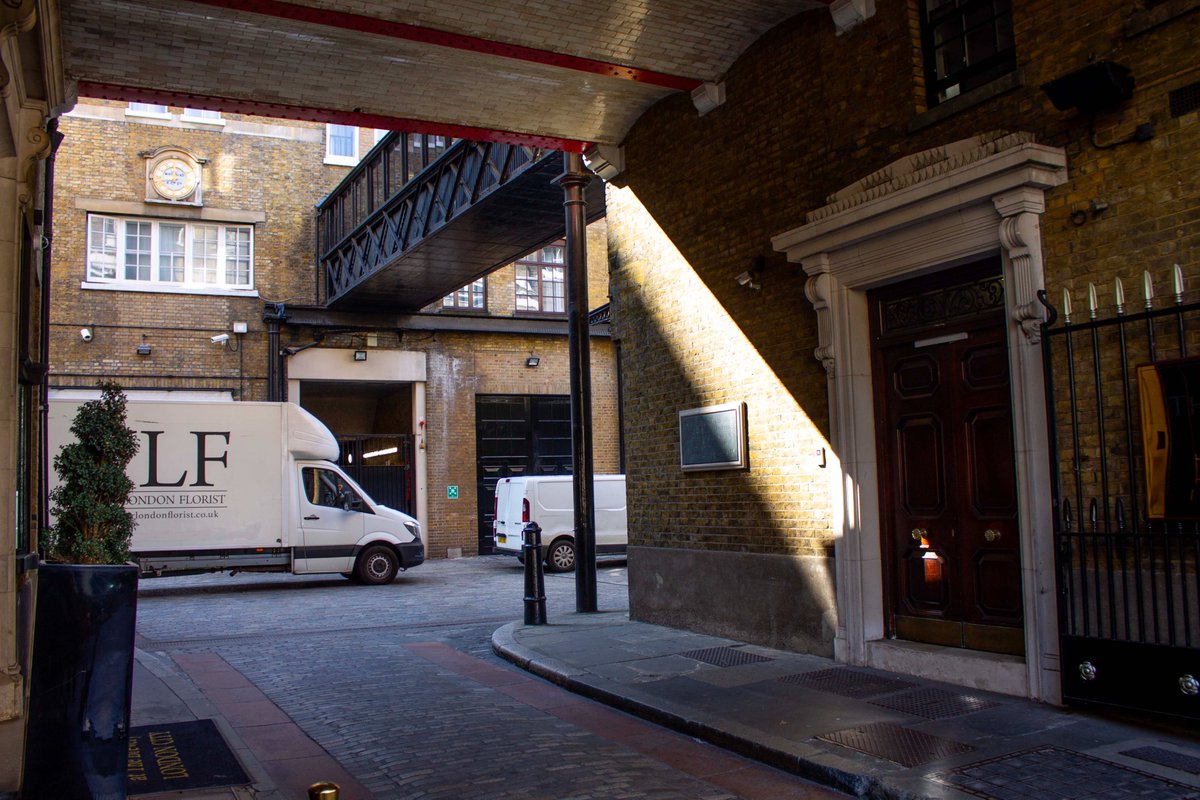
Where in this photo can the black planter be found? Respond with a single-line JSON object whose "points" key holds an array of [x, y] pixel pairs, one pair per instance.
{"points": [[77, 744]]}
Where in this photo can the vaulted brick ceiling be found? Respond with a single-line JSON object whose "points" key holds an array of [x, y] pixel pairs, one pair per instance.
{"points": [[570, 71]]}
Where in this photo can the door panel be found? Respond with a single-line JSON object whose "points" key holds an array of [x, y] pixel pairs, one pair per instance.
{"points": [[919, 449], [947, 474]]}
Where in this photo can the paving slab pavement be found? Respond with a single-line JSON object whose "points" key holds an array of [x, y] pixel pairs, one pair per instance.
{"points": [[864, 732]]}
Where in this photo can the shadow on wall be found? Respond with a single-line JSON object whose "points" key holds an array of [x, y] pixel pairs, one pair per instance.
{"points": [[744, 553]]}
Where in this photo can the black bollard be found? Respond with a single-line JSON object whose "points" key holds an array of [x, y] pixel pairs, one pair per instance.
{"points": [[535, 584]]}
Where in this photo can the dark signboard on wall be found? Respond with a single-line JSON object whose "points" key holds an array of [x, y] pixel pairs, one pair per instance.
{"points": [[713, 437]]}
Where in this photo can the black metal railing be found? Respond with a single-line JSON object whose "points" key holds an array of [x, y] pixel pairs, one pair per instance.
{"points": [[371, 220], [1126, 490], [395, 160]]}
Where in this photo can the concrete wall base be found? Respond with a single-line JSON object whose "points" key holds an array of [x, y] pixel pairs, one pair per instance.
{"points": [[778, 601]]}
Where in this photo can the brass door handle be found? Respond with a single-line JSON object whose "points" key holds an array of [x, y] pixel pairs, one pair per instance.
{"points": [[991, 534], [919, 533]]}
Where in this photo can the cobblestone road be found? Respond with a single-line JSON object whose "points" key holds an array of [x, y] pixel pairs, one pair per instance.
{"points": [[363, 672]]}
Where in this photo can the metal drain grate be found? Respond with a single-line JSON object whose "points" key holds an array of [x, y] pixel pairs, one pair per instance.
{"points": [[902, 745], [1055, 772], [847, 682], [725, 656], [1166, 758], [1185, 99], [935, 703]]}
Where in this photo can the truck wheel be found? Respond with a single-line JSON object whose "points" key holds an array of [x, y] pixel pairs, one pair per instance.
{"points": [[561, 556], [377, 565]]}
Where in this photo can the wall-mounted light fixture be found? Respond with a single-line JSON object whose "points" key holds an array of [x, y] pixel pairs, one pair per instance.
{"points": [[1097, 87], [1094, 88], [360, 355], [85, 334], [143, 349], [532, 361]]}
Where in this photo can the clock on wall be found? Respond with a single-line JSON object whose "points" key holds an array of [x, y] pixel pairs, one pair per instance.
{"points": [[174, 178]]}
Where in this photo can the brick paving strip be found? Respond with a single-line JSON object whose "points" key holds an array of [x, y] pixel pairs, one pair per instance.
{"points": [[746, 778], [292, 759]]}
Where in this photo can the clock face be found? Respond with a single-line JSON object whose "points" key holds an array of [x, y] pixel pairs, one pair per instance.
{"points": [[174, 178]]}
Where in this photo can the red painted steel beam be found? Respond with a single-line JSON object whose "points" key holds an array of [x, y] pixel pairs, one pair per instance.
{"points": [[134, 94], [475, 44]]}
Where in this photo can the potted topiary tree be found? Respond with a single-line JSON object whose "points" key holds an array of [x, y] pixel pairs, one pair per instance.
{"points": [[80, 686]]}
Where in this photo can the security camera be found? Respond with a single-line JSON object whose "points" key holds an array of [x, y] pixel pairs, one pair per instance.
{"points": [[220, 338], [85, 334], [747, 279]]}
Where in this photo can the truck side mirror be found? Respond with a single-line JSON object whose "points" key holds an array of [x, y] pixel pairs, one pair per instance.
{"points": [[350, 501]]}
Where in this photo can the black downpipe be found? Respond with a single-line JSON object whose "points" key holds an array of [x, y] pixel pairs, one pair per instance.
{"points": [[573, 181], [56, 139]]}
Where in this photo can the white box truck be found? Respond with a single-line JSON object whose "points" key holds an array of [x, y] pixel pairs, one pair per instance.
{"points": [[548, 501], [245, 486]]}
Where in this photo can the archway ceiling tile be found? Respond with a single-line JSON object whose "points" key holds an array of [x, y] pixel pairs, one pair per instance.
{"points": [[218, 49]]}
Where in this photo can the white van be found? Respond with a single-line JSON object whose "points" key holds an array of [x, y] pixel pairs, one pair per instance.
{"points": [[548, 502], [249, 487]]}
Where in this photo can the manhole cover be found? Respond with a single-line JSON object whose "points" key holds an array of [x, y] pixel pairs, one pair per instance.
{"points": [[935, 703], [847, 682], [1063, 774], [1166, 758], [725, 656], [894, 743]]}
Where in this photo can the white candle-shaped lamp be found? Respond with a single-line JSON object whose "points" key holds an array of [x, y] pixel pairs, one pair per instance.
{"points": [[1178, 285], [1119, 292], [1147, 288], [1093, 303], [1067, 305]]}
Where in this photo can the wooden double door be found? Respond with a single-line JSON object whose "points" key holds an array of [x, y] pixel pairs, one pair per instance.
{"points": [[947, 466]]}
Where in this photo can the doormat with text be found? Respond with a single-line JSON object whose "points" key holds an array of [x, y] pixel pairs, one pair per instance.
{"points": [[180, 755]]}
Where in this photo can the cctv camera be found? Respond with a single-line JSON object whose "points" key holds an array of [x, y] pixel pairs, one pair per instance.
{"points": [[220, 338], [85, 334], [747, 279]]}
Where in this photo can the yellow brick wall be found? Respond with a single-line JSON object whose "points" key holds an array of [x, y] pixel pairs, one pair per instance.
{"points": [[280, 175], [276, 168], [807, 113]]}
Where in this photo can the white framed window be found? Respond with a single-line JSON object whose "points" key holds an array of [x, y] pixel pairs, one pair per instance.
{"points": [[541, 281], [147, 110], [472, 296], [169, 255], [341, 145], [203, 115]]}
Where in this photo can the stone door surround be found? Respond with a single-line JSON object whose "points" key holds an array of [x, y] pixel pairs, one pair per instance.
{"points": [[930, 211]]}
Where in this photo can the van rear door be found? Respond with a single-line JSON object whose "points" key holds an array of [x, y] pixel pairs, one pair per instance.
{"points": [[509, 493]]}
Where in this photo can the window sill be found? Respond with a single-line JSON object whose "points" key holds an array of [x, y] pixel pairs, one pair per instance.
{"points": [[975, 97], [1150, 18], [341, 161], [147, 114], [470, 312], [151, 289], [217, 123]]}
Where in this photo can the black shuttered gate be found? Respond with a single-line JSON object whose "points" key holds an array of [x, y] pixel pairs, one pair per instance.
{"points": [[518, 435]]}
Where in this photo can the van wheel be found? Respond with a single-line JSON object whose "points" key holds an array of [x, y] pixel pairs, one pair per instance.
{"points": [[377, 565], [561, 556]]}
